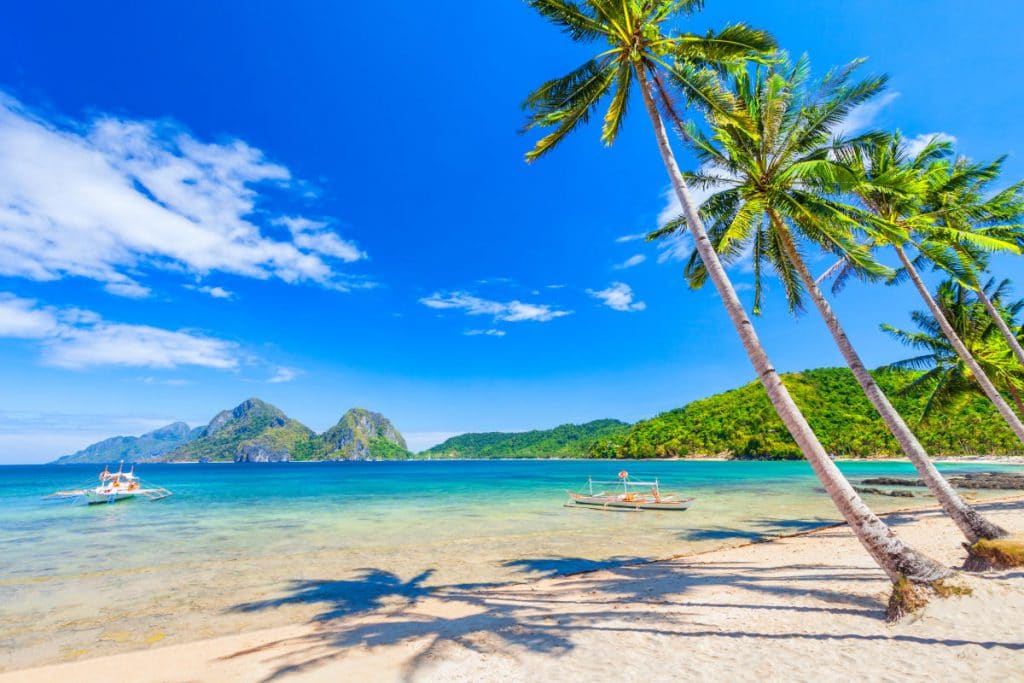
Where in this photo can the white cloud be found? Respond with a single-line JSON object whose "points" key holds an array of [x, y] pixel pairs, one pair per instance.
{"points": [[128, 288], [863, 116], [169, 382], [101, 198], [489, 333], [115, 344], [631, 238], [916, 145], [634, 260], [73, 338], [283, 374], [215, 292], [315, 236], [511, 311], [618, 296], [23, 319]]}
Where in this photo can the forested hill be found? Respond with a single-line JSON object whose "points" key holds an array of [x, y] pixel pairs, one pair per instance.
{"points": [[566, 441], [742, 423]]}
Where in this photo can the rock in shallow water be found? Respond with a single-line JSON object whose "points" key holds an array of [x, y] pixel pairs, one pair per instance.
{"points": [[1005, 481]]}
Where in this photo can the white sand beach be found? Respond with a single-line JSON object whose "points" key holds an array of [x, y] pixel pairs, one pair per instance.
{"points": [[806, 607]]}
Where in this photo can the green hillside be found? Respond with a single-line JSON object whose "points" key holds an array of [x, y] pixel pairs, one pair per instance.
{"points": [[254, 431], [742, 423], [360, 434], [564, 441]]}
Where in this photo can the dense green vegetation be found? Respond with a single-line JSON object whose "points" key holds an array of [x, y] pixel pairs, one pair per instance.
{"points": [[564, 441], [253, 430], [742, 423]]}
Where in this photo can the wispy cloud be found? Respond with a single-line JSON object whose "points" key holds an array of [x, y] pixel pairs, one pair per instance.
{"points": [[128, 289], [489, 333], [631, 238], [634, 260], [283, 374], [215, 292], [863, 116], [168, 382], [507, 311], [73, 338], [23, 319], [916, 145], [618, 296], [108, 198]]}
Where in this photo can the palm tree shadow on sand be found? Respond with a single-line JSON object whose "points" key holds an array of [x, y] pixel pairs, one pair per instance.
{"points": [[673, 598], [372, 590]]}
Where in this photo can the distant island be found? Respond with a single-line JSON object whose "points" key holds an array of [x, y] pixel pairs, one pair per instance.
{"points": [[564, 441], [254, 431], [739, 423]]}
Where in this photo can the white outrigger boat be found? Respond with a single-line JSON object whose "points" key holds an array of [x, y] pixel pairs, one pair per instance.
{"points": [[629, 497], [115, 486]]}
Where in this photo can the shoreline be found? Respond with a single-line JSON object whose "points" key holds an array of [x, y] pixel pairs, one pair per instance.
{"points": [[820, 579], [940, 459]]}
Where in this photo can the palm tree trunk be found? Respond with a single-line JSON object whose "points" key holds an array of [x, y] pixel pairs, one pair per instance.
{"points": [[971, 523], [896, 558], [1000, 322], [979, 375], [1017, 399]]}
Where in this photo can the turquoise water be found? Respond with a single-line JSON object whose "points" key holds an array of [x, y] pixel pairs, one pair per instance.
{"points": [[227, 550]]}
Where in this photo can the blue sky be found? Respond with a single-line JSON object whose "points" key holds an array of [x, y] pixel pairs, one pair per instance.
{"points": [[325, 205]]}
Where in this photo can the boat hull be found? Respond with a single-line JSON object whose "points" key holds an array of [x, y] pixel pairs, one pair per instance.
{"points": [[617, 504], [97, 498]]}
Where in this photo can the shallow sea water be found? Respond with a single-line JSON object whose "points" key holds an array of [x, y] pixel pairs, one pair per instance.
{"points": [[242, 547]]}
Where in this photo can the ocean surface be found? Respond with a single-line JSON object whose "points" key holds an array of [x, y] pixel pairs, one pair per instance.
{"points": [[241, 547]]}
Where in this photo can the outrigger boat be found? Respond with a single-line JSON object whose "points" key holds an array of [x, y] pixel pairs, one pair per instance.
{"points": [[115, 486], [629, 498]]}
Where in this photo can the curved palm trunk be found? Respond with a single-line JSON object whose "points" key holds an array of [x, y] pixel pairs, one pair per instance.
{"points": [[979, 375], [1017, 399], [1000, 322], [894, 556], [971, 523]]}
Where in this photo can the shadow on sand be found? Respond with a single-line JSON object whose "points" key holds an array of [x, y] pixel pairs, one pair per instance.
{"points": [[379, 608]]}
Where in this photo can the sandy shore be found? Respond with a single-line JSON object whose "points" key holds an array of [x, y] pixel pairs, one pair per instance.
{"points": [[806, 607]]}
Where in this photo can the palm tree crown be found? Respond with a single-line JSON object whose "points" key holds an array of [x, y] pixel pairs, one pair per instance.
{"points": [[640, 42], [771, 162], [946, 376]]}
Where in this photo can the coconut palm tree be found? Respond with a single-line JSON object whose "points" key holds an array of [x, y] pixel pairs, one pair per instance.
{"points": [[963, 201], [771, 165], [638, 49], [898, 190], [947, 377]]}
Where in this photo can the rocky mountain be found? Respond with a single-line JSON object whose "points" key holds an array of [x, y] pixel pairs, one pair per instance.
{"points": [[564, 441], [360, 435], [132, 448], [254, 431]]}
